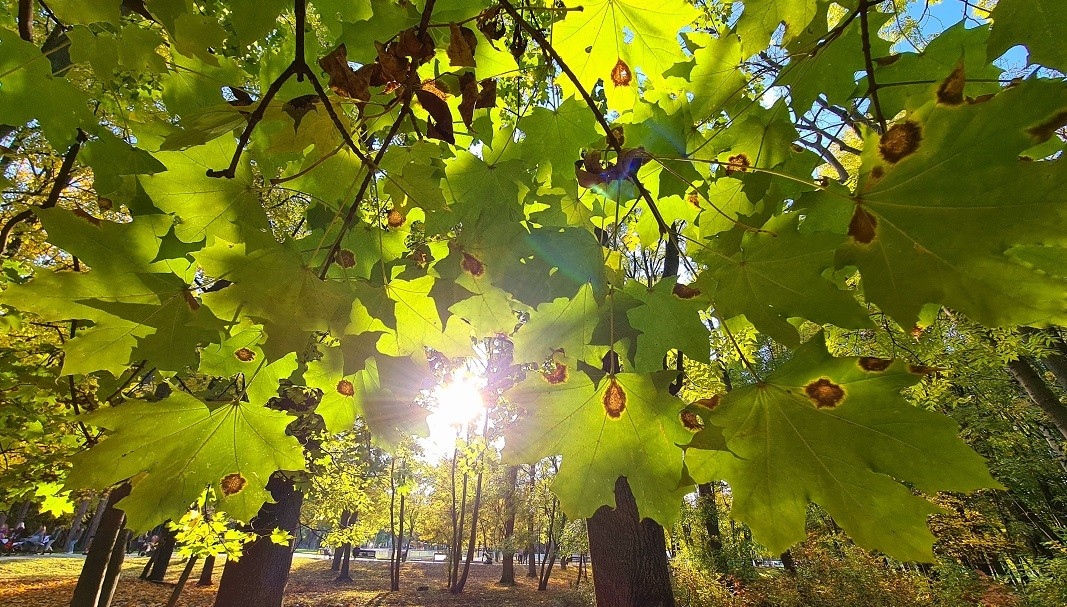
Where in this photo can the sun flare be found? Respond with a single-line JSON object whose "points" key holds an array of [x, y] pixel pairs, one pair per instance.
{"points": [[456, 403]]}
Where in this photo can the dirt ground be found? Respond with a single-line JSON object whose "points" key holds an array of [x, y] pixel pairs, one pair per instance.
{"points": [[49, 582]]}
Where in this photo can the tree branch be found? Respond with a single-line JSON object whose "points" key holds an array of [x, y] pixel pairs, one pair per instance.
{"points": [[26, 20], [872, 84], [613, 141], [353, 209], [60, 184]]}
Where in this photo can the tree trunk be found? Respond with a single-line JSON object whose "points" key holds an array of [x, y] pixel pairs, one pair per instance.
{"points": [[507, 574], [87, 592], [181, 582], [343, 574], [1039, 392], [1056, 361], [259, 578], [458, 587], [209, 570], [398, 549], [76, 526], [20, 514], [90, 533], [531, 566], [630, 555], [344, 557], [114, 569], [161, 558], [338, 551]]}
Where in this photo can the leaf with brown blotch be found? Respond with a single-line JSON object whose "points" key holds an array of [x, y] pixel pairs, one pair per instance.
{"points": [[344, 81], [468, 86], [461, 44], [409, 44], [487, 96], [439, 124]]}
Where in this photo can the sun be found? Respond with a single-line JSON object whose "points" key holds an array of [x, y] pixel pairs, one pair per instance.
{"points": [[454, 404]]}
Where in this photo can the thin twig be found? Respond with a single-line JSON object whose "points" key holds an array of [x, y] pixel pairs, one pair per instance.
{"points": [[868, 60], [613, 141]]}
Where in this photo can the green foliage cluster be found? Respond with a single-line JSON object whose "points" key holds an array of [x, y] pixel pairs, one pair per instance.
{"points": [[293, 209]]}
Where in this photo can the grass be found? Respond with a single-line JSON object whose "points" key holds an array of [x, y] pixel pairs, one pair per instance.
{"points": [[49, 582]]}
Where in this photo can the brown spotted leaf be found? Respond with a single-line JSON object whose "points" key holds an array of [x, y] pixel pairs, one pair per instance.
{"points": [[345, 81], [461, 44], [829, 431], [181, 445], [613, 425], [943, 196], [439, 123]]}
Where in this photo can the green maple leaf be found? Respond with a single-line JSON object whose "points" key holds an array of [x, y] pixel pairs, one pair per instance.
{"points": [[392, 385], [206, 207], [555, 137], [255, 18], [418, 322], [622, 425], [611, 40], [1036, 23], [776, 275], [762, 17], [958, 165], [714, 76], [835, 431], [342, 395], [30, 92], [291, 307], [565, 323], [140, 309], [175, 448], [55, 502], [668, 319], [956, 45]]}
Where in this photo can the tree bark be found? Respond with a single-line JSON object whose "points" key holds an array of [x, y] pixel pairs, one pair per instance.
{"points": [[114, 569], [87, 592], [76, 526], [259, 578], [209, 570], [630, 555], [345, 555], [94, 524], [161, 558], [26, 20], [462, 581], [1039, 392], [507, 573], [338, 551], [181, 582], [531, 552]]}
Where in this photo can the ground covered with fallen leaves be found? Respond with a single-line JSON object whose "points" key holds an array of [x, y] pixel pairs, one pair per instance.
{"points": [[49, 582]]}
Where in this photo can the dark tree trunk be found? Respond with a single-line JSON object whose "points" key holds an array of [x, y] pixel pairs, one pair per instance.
{"points": [[259, 578], [630, 555], [344, 557], [76, 526], [94, 524], [1039, 392], [343, 573], [338, 551], [336, 565], [458, 587], [20, 514], [531, 552], [398, 549], [507, 573], [1056, 361], [209, 570], [114, 569], [161, 558], [788, 562], [182, 579], [87, 592]]}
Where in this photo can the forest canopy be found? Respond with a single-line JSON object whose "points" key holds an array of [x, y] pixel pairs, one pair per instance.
{"points": [[232, 227]]}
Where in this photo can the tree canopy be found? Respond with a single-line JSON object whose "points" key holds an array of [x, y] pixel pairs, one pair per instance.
{"points": [[288, 213]]}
